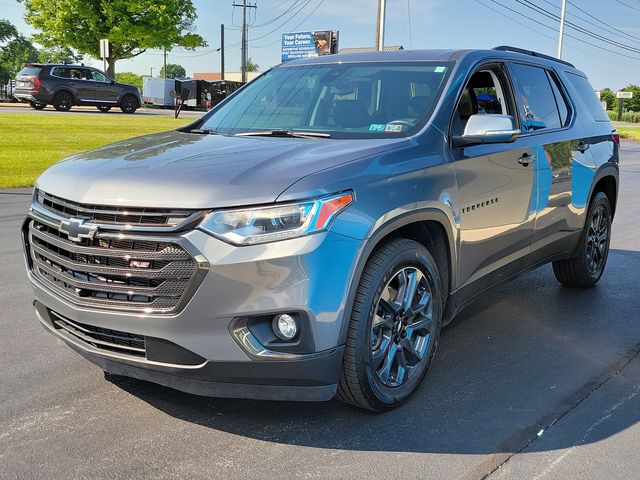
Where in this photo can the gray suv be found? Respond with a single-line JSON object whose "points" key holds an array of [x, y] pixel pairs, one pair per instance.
{"points": [[311, 235], [64, 85]]}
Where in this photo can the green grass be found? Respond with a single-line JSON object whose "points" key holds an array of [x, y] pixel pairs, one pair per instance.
{"points": [[630, 133], [29, 143]]}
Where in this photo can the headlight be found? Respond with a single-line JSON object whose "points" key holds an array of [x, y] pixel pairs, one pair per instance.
{"points": [[279, 222]]}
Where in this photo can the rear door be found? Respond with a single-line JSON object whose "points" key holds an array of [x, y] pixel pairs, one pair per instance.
{"points": [[80, 81], [549, 126]]}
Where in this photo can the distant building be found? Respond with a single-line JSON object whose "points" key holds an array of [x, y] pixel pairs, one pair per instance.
{"points": [[231, 76], [388, 48]]}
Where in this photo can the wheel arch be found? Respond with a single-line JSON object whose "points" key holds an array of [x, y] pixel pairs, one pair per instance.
{"points": [[430, 227], [606, 181]]}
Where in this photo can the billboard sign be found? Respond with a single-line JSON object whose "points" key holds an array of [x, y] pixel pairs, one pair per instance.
{"points": [[308, 44]]}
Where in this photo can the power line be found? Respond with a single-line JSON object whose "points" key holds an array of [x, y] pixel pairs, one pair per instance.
{"points": [[302, 7], [617, 30], [566, 34], [602, 38], [529, 27], [627, 5], [296, 27]]}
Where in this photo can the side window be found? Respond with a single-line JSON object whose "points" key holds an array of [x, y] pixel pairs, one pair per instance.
{"points": [[99, 77], [484, 93], [76, 74], [561, 102], [588, 96], [60, 72], [538, 109]]}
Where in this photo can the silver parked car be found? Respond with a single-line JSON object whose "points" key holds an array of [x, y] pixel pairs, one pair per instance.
{"points": [[310, 236]]}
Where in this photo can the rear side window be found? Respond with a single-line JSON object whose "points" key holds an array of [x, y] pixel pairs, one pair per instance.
{"points": [[30, 71], [561, 102], [536, 100], [588, 96]]}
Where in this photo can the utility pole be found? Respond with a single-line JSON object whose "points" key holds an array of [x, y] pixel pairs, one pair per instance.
{"points": [[152, 69], [164, 70], [382, 7], [561, 34], [222, 51], [245, 36]]}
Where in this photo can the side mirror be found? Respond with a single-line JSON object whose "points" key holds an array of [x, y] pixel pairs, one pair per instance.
{"points": [[487, 128]]}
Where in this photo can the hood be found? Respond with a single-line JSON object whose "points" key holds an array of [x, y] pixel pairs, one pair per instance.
{"points": [[185, 170]]}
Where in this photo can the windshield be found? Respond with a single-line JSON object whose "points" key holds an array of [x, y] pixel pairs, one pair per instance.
{"points": [[355, 100]]}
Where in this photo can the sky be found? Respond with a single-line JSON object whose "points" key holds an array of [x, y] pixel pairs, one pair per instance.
{"points": [[416, 24]]}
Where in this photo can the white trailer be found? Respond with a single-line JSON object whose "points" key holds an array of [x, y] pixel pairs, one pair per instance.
{"points": [[157, 91]]}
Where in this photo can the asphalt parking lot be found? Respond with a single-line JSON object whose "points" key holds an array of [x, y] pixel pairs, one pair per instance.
{"points": [[533, 380], [49, 110]]}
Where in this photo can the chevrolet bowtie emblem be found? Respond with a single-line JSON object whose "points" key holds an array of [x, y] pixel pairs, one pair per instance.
{"points": [[78, 229]]}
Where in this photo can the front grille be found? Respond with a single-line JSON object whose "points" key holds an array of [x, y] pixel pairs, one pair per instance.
{"points": [[101, 338], [109, 215], [133, 274]]}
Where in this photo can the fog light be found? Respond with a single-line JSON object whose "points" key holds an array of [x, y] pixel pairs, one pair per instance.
{"points": [[285, 326]]}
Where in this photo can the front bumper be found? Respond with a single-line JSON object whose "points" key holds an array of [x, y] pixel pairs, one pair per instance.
{"points": [[308, 275]]}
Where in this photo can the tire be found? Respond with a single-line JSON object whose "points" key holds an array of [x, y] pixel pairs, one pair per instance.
{"points": [[376, 347], [37, 106], [129, 104], [63, 101], [103, 108], [586, 267]]}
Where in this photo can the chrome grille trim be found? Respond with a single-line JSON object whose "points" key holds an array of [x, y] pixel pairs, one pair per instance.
{"points": [[97, 272], [118, 218]]}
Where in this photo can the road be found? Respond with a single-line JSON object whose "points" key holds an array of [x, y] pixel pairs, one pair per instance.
{"points": [[24, 108], [533, 380]]}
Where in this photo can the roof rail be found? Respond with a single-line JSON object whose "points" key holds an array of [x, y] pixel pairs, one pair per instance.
{"points": [[507, 48]]}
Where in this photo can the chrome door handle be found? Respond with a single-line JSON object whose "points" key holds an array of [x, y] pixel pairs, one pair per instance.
{"points": [[526, 159], [582, 147]]}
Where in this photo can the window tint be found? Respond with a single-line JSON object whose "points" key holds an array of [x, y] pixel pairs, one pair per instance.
{"points": [[30, 70], [535, 98], [588, 96], [560, 100], [99, 77], [70, 72]]}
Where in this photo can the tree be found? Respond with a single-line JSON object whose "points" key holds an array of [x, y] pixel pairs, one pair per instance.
{"points": [[252, 67], [131, 26], [58, 55], [130, 78], [173, 71], [15, 51], [633, 103], [609, 96]]}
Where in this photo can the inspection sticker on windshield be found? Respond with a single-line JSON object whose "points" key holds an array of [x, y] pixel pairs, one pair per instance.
{"points": [[377, 127], [393, 128], [440, 69]]}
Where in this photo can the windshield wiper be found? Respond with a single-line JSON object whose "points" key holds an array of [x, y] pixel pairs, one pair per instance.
{"points": [[283, 133], [203, 131]]}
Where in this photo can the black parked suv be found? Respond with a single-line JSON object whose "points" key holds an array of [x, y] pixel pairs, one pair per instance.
{"points": [[64, 86]]}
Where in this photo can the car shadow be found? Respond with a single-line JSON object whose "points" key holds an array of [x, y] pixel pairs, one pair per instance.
{"points": [[522, 355]]}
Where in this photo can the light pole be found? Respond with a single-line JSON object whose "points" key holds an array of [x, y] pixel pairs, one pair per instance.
{"points": [[382, 7], [561, 33], [152, 69]]}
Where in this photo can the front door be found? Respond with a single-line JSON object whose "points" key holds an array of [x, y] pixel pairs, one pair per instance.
{"points": [[496, 189], [106, 90]]}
